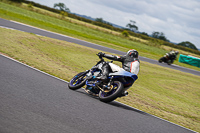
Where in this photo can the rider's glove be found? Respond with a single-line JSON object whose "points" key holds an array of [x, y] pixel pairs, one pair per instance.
{"points": [[100, 54]]}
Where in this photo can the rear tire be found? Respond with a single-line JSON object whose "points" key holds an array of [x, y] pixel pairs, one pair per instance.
{"points": [[161, 59], [115, 93], [78, 81]]}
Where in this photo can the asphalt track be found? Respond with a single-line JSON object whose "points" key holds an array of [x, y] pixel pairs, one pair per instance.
{"points": [[32, 101], [30, 29]]}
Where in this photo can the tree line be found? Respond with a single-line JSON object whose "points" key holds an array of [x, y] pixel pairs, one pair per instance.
{"points": [[132, 27], [131, 30], [159, 35]]}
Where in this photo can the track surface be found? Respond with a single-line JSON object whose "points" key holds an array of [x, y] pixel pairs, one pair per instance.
{"points": [[31, 101], [34, 102], [19, 26]]}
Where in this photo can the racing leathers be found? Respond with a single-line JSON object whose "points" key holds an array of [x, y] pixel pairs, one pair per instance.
{"points": [[171, 55], [128, 63]]}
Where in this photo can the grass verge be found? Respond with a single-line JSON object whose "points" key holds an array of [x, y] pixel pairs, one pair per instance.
{"points": [[67, 26], [166, 93]]}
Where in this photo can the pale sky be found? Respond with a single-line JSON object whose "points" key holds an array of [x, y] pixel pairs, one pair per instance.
{"points": [[179, 20]]}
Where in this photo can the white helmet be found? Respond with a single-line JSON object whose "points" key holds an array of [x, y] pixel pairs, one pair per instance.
{"points": [[133, 53]]}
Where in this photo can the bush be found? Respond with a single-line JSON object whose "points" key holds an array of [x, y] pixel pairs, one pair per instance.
{"points": [[17, 1], [125, 33], [150, 40]]}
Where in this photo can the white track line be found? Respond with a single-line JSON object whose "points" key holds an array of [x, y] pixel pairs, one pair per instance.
{"points": [[115, 101], [74, 39], [68, 82]]}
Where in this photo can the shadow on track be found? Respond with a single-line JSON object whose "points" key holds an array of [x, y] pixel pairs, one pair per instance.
{"points": [[123, 106], [115, 103]]}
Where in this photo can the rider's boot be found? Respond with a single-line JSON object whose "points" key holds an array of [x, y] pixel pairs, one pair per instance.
{"points": [[125, 93]]}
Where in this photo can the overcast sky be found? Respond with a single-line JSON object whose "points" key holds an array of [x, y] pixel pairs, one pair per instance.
{"points": [[179, 20]]}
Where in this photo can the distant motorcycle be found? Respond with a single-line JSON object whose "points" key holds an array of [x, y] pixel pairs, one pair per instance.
{"points": [[167, 59], [118, 81]]}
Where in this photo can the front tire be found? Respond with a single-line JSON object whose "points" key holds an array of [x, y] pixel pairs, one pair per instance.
{"points": [[169, 62], [112, 95], [78, 81]]}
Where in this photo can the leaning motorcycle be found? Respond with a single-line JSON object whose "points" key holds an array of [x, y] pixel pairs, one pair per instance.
{"points": [[166, 59], [117, 82]]}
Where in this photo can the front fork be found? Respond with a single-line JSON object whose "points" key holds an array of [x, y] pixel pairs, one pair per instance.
{"points": [[110, 81]]}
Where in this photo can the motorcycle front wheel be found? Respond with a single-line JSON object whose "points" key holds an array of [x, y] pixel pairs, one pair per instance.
{"points": [[113, 94], [169, 62], [77, 81]]}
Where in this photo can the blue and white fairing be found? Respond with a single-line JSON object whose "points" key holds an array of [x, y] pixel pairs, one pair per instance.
{"points": [[124, 73], [120, 72]]}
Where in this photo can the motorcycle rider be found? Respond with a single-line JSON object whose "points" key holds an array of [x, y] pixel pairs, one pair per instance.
{"points": [[171, 55], [130, 63]]}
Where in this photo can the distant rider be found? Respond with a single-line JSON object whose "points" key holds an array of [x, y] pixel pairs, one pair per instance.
{"points": [[171, 55]]}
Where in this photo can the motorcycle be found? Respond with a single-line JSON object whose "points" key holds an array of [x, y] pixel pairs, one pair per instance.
{"points": [[117, 82], [166, 59]]}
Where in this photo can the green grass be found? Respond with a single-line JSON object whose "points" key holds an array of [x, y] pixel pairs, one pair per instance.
{"points": [[52, 22], [160, 91], [163, 92]]}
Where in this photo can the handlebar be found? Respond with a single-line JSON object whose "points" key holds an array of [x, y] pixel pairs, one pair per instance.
{"points": [[100, 57]]}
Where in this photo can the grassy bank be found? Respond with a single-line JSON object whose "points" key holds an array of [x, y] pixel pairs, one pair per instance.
{"points": [[166, 93], [67, 26]]}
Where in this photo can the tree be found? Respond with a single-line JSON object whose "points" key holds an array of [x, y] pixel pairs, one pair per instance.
{"points": [[159, 35], [188, 44], [102, 21], [132, 26], [144, 33], [99, 20], [61, 7], [18, 1]]}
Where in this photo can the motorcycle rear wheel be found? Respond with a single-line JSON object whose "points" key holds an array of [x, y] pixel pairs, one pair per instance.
{"points": [[112, 95], [161, 59], [78, 81]]}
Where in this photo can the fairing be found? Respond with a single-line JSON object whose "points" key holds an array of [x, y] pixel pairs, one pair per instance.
{"points": [[125, 74]]}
